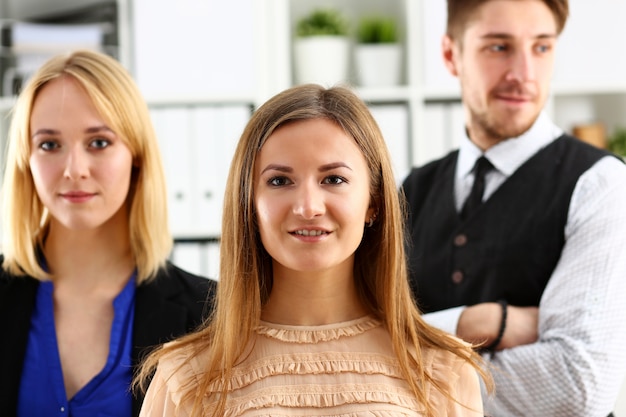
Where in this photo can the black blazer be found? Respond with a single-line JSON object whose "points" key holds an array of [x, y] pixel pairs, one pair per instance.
{"points": [[172, 304]]}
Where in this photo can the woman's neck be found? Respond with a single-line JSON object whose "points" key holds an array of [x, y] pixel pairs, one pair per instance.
{"points": [[312, 299], [98, 258]]}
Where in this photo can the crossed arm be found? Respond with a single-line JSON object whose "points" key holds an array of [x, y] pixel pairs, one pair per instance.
{"points": [[480, 323], [564, 358]]}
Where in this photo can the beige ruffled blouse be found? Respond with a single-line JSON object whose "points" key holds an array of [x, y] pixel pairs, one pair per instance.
{"points": [[345, 369]]}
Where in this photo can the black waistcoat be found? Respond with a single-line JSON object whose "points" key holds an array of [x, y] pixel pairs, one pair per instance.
{"points": [[509, 247]]}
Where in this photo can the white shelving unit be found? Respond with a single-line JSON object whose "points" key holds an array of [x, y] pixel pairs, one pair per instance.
{"points": [[192, 57], [239, 52]]}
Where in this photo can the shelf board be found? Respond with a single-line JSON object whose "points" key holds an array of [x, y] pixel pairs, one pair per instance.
{"points": [[393, 94], [189, 236], [202, 100], [446, 94], [587, 90], [441, 94]]}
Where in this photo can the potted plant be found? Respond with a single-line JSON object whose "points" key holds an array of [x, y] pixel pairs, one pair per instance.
{"points": [[617, 142], [322, 48], [378, 54]]}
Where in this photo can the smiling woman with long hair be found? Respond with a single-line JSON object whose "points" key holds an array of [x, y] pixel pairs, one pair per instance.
{"points": [[314, 314]]}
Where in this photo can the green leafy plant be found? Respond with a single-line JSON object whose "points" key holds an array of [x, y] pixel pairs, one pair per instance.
{"points": [[322, 22], [377, 29], [617, 142]]}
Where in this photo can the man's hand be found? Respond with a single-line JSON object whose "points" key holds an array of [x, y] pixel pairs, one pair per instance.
{"points": [[480, 323]]}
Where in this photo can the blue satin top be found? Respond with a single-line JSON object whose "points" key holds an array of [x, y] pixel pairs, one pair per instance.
{"points": [[42, 390]]}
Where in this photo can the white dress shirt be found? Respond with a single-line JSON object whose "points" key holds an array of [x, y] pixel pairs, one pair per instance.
{"points": [[579, 362]]}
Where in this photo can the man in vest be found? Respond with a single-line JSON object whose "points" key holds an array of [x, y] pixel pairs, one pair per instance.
{"points": [[523, 251]]}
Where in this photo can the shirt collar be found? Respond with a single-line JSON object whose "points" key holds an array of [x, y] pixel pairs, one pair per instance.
{"points": [[508, 155]]}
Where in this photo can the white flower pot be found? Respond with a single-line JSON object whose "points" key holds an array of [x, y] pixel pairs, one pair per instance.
{"points": [[321, 59], [378, 65]]}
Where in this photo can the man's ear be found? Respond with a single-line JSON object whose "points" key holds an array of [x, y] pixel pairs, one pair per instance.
{"points": [[449, 51]]}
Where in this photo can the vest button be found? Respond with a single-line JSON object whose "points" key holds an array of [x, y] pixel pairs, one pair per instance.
{"points": [[460, 240], [457, 277]]}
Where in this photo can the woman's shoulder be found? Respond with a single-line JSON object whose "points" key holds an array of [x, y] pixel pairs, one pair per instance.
{"points": [[183, 363], [13, 282], [448, 365], [172, 270], [456, 376], [461, 380], [174, 288], [178, 371], [171, 279]]}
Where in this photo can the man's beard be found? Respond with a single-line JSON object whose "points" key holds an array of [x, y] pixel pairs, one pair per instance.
{"points": [[496, 126], [498, 130]]}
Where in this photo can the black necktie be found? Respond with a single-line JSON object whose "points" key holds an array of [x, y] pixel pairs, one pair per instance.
{"points": [[475, 198]]}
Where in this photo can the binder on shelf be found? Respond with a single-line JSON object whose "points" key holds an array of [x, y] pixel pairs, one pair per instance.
{"points": [[28, 37], [197, 144], [173, 131], [444, 128], [27, 45], [208, 178], [198, 256], [435, 131], [393, 120], [215, 133]]}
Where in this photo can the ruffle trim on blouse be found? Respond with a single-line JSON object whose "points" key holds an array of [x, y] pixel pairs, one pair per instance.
{"points": [[444, 368], [315, 334], [364, 413], [315, 364], [323, 397]]}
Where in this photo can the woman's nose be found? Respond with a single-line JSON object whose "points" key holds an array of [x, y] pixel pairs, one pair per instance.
{"points": [[76, 163], [309, 201]]}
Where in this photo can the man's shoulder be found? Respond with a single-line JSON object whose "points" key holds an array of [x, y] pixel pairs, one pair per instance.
{"points": [[570, 159], [581, 149], [436, 164], [428, 173]]}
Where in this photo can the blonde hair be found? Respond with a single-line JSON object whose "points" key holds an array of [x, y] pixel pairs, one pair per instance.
{"points": [[245, 267], [118, 100]]}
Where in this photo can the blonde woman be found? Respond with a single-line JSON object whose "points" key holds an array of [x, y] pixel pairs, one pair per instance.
{"points": [[85, 286], [314, 314]]}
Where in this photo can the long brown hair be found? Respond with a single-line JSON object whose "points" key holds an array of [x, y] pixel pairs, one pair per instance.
{"points": [[245, 267]]}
